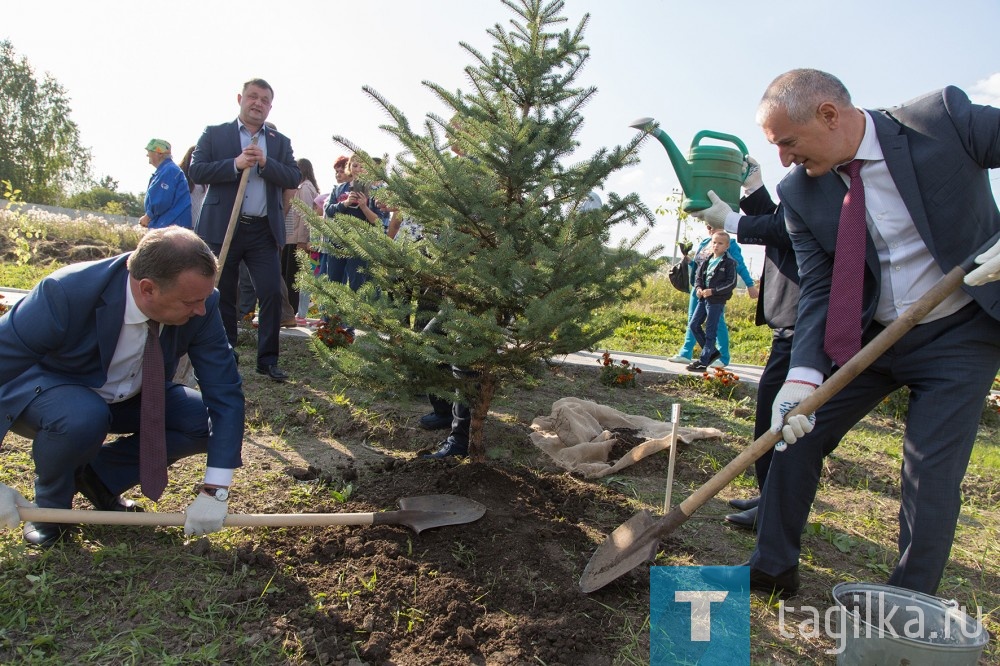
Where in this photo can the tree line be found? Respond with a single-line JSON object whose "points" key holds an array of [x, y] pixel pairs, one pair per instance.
{"points": [[40, 149]]}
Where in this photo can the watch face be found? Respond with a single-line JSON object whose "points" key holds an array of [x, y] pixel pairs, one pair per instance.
{"points": [[221, 494]]}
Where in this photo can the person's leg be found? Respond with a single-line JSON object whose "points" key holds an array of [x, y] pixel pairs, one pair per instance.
{"points": [[722, 339], [949, 366], [356, 273], [187, 432], [793, 477], [713, 312], [686, 352], [68, 424], [695, 323], [289, 270], [229, 284], [771, 380], [263, 260], [248, 297]]}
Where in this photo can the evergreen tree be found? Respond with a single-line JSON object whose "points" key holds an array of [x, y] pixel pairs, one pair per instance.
{"points": [[513, 267]]}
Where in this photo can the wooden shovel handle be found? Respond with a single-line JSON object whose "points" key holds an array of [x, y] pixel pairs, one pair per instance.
{"points": [[844, 376], [177, 519]]}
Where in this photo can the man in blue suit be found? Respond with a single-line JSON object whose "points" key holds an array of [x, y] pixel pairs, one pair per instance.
{"points": [[71, 357], [222, 154], [927, 207]]}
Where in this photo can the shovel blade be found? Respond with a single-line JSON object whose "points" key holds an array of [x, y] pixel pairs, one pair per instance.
{"points": [[428, 511], [623, 550]]}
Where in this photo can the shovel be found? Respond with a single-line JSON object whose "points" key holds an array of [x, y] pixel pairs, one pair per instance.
{"points": [[636, 540], [417, 513]]}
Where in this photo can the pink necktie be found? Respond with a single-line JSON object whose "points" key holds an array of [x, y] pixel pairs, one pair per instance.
{"points": [[152, 431], [843, 319]]}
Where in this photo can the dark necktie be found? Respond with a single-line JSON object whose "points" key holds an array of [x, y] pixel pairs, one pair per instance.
{"points": [[843, 319], [152, 432]]}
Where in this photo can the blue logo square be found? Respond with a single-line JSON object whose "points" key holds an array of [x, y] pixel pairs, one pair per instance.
{"points": [[699, 615]]}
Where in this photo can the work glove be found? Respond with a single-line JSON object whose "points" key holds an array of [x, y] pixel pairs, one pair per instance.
{"points": [[788, 398], [10, 499], [989, 267], [205, 515], [754, 179], [715, 215]]}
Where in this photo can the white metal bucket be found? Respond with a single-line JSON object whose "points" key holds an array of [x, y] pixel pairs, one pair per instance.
{"points": [[882, 625]]}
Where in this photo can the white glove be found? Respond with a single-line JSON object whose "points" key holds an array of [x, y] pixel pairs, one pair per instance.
{"points": [[754, 179], [205, 515], [989, 267], [10, 499], [715, 215], [788, 398]]}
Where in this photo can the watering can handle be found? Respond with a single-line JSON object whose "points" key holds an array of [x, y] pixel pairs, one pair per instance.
{"points": [[709, 134]]}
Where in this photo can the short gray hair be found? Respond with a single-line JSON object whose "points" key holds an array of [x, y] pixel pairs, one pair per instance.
{"points": [[800, 92], [165, 253]]}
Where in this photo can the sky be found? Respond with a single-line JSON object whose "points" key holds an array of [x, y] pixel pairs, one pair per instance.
{"points": [[138, 70]]}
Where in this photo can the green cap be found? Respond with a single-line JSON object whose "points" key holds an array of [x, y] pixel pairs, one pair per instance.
{"points": [[158, 146]]}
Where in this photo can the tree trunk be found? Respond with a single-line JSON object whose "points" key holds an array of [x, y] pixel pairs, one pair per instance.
{"points": [[480, 408]]}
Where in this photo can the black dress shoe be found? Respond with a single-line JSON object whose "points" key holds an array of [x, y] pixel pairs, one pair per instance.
{"points": [[434, 421], [45, 535], [785, 584], [449, 448], [273, 371], [744, 504], [745, 519], [90, 486]]}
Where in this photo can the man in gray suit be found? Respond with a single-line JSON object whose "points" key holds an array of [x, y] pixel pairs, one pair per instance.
{"points": [[927, 208]]}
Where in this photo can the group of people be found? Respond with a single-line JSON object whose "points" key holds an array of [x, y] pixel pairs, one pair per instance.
{"points": [[77, 353]]}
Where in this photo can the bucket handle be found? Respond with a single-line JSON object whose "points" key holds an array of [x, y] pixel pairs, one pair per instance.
{"points": [[721, 136]]}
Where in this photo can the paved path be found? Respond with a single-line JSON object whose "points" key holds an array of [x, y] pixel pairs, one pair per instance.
{"points": [[647, 363]]}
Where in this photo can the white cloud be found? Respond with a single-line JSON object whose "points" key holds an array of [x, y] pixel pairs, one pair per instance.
{"points": [[986, 91]]}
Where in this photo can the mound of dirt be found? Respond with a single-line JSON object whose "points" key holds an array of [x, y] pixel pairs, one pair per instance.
{"points": [[451, 595]]}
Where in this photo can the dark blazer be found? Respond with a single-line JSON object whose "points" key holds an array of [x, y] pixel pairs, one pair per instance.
{"points": [[212, 165], [937, 148], [764, 225], [723, 280], [65, 332]]}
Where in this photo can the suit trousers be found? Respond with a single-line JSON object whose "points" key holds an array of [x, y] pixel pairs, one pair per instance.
{"points": [[69, 423], [949, 365], [253, 244]]}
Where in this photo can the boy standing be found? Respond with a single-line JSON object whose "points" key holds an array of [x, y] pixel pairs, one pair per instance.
{"points": [[714, 285]]}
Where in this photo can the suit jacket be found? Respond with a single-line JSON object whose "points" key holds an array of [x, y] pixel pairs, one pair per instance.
{"points": [[764, 225], [65, 332], [937, 149], [212, 165]]}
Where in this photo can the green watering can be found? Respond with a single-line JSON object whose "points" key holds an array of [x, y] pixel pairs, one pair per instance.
{"points": [[717, 168]]}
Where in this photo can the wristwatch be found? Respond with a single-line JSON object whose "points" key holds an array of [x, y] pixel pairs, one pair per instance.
{"points": [[221, 494]]}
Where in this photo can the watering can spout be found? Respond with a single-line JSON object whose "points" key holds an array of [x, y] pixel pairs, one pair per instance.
{"points": [[716, 168], [677, 159]]}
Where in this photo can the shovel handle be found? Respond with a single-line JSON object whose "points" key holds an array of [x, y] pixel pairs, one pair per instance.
{"points": [[844, 376], [177, 519], [231, 229]]}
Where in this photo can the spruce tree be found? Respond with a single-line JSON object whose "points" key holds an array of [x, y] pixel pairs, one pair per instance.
{"points": [[513, 267]]}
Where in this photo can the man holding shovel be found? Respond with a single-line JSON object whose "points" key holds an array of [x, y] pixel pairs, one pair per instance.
{"points": [[85, 354], [226, 155], [879, 205]]}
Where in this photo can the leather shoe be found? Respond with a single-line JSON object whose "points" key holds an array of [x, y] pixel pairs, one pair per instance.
{"points": [[745, 519], [744, 504], [45, 535], [785, 584], [273, 371], [90, 486], [435, 421], [449, 448]]}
